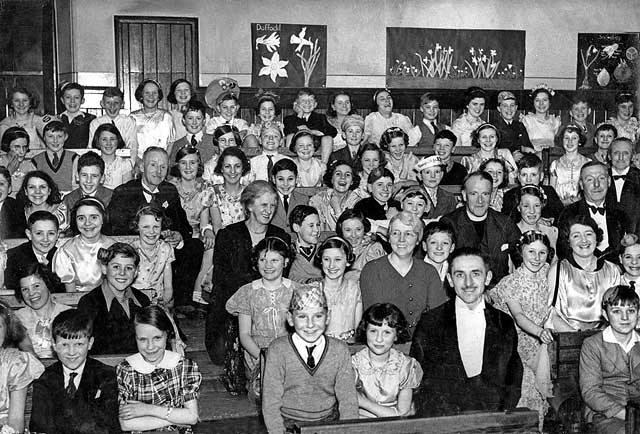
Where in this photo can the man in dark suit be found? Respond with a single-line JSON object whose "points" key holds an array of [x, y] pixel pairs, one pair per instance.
{"points": [[429, 125], [153, 189], [476, 365], [477, 225], [614, 222], [194, 119], [42, 233], [624, 184], [77, 394], [513, 134], [284, 175]]}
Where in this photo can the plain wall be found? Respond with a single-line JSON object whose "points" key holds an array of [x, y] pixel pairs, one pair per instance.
{"points": [[356, 32]]}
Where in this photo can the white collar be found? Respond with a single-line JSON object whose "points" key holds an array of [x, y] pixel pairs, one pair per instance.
{"points": [[475, 218], [156, 189], [461, 306], [79, 370], [607, 336], [624, 172], [301, 343], [138, 363]]}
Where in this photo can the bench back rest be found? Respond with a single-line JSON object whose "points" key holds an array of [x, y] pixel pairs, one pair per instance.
{"points": [[564, 353]]}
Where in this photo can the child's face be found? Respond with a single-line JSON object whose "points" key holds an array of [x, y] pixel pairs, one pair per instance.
{"points": [[443, 147], [120, 272], [397, 147], [231, 169], [534, 256], [381, 189], [380, 339], [580, 111], [285, 181], [570, 141], [150, 229], [19, 147], [89, 178], [488, 139], [226, 140], [342, 105], [625, 110], [353, 135], [89, 221], [508, 109], [72, 352], [108, 143], [193, 121], [621, 153], [438, 247], [334, 263], [432, 176], [305, 148], [370, 160], [415, 205], [54, 140], [342, 178], [529, 176], [271, 264], [20, 103], [270, 139], [497, 173], [309, 323], [530, 209], [267, 111], [151, 342], [475, 108], [43, 236], [37, 191], [430, 110], [182, 93], [188, 167], [630, 260], [34, 292], [604, 139], [307, 103], [72, 100], [150, 96], [353, 231], [228, 109], [622, 318], [308, 231], [541, 103], [112, 105], [5, 188]]}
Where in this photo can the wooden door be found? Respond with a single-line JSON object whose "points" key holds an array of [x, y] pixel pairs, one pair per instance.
{"points": [[161, 48]]}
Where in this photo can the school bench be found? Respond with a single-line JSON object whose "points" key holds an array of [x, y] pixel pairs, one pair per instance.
{"points": [[525, 421], [8, 298]]}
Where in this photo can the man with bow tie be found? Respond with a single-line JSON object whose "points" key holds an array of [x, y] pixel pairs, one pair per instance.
{"points": [[612, 219], [624, 187]]}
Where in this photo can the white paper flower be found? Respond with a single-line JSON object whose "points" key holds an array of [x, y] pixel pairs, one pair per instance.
{"points": [[493, 52], [274, 67]]}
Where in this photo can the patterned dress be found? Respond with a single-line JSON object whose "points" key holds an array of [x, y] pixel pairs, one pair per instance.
{"points": [[532, 293], [194, 203], [231, 209], [567, 175], [629, 130], [17, 371], [151, 267], [383, 384]]}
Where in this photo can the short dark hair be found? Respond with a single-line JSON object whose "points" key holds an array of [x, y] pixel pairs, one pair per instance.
{"points": [[370, 147], [192, 106], [172, 90], [154, 316], [334, 242], [16, 332], [112, 92], [4, 172], [72, 324], [380, 313], [55, 127], [472, 93], [446, 134], [91, 159], [436, 227], [50, 279], [106, 255], [42, 215], [505, 173], [71, 86], [108, 127], [12, 134], [284, 164], [526, 239], [183, 152], [226, 129], [470, 251], [138, 93], [565, 230], [528, 161], [270, 244], [349, 214], [299, 213], [305, 91], [380, 172], [328, 175], [87, 201], [233, 151], [622, 295], [477, 174]]}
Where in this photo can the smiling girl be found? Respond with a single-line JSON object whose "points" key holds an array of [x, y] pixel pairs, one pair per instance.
{"points": [[344, 301], [630, 260], [76, 262], [496, 168], [394, 143], [565, 171], [530, 204], [15, 144], [385, 377], [23, 103], [310, 168], [40, 193], [486, 138], [541, 125], [154, 126], [117, 170], [470, 119], [369, 157], [340, 194], [625, 123]]}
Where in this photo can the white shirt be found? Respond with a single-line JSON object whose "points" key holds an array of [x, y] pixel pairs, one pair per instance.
{"points": [[40, 258], [260, 163], [619, 183], [302, 345], [147, 196], [601, 221], [607, 336], [471, 325], [197, 135], [66, 372]]}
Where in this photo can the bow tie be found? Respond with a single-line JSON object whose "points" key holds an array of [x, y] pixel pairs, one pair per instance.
{"points": [[597, 209], [617, 177]]}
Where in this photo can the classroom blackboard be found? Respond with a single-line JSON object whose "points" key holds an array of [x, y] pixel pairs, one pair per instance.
{"points": [[455, 58]]}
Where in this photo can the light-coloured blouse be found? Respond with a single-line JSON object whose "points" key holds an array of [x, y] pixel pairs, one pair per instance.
{"points": [[17, 371], [77, 261], [154, 129]]}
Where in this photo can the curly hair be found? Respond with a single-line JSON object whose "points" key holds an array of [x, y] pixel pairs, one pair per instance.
{"points": [[54, 197], [380, 314], [565, 230], [236, 152], [327, 178], [50, 279]]}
